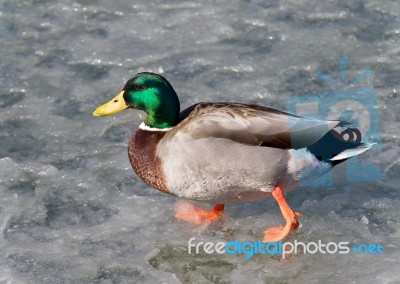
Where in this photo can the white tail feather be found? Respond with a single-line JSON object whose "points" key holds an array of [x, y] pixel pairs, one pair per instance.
{"points": [[352, 152]]}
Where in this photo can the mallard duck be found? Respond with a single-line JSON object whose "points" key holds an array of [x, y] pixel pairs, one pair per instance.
{"points": [[224, 153]]}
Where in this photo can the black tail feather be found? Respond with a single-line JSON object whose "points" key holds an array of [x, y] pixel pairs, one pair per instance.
{"points": [[333, 143]]}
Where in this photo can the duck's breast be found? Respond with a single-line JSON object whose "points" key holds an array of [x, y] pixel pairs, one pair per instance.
{"points": [[142, 156]]}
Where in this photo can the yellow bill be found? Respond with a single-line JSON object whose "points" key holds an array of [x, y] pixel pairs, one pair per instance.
{"points": [[117, 104]]}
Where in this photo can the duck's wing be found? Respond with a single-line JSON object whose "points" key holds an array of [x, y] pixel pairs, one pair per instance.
{"points": [[251, 125]]}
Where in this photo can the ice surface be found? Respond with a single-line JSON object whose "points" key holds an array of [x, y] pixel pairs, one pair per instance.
{"points": [[73, 211]]}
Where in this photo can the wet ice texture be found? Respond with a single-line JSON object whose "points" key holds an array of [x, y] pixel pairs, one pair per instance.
{"points": [[72, 210]]}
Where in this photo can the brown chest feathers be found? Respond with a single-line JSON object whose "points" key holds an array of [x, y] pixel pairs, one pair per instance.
{"points": [[142, 156]]}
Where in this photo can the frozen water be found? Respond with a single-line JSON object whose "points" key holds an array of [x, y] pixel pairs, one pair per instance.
{"points": [[73, 211]]}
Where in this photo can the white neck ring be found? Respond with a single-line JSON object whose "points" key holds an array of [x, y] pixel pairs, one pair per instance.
{"points": [[143, 126]]}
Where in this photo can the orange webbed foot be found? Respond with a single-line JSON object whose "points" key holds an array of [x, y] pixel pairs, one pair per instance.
{"points": [[196, 215], [276, 234]]}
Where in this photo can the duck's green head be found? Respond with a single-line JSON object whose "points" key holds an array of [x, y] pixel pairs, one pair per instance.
{"points": [[151, 93]]}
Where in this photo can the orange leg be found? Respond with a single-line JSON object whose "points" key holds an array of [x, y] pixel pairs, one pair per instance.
{"points": [[190, 213], [275, 234]]}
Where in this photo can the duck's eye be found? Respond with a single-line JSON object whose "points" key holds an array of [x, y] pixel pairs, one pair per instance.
{"points": [[139, 87], [115, 101]]}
